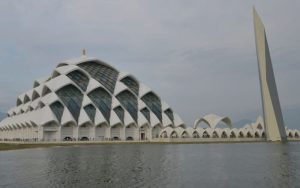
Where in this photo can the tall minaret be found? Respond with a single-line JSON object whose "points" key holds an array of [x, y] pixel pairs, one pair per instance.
{"points": [[274, 125]]}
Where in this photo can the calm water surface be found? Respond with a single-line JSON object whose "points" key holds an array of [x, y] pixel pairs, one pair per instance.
{"points": [[190, 165]]}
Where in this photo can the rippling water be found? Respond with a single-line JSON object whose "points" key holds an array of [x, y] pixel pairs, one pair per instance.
{"points": [[153, 165]]}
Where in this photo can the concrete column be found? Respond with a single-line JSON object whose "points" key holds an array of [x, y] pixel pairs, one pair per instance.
{"points": [[27, 132], [58, 136], [40, 133], [122, 133], [75, 132], [93, 132], [18, 131], [136, 133], [31, 133], [149, 133], [108, 132]]}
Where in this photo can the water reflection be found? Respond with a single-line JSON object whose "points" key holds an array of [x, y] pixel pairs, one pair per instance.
{"points": [[106, 165], [283, 166], [208, 165]]}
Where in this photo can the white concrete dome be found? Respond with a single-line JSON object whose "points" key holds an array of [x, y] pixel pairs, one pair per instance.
{"points": [[89, 98]]}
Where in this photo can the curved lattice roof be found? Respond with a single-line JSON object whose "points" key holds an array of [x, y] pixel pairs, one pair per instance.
{"points": [[89, 90]]}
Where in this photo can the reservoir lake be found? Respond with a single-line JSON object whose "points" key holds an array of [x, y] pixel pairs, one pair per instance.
{"points": [[154, 165]]}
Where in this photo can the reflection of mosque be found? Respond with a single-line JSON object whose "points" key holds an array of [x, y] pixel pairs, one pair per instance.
{"points": [[281, 166]]}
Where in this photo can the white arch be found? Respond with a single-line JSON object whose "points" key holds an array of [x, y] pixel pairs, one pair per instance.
{"points": [[166, 132], [242, 133], [85, 131], [193, 133], [102, 131], [289, 133], [156, 130], [117, 132], [131, 131], [181, 132], [212, 120]]}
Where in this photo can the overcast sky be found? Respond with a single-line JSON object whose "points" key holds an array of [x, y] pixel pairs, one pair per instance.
{"points": [[199, 56]]}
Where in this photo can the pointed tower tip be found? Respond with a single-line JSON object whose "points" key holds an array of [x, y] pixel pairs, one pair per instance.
{"points": [[255, 14], [257, 20]]}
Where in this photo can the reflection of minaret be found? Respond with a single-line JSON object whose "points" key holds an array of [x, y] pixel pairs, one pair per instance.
{"points": [[274, 125]]}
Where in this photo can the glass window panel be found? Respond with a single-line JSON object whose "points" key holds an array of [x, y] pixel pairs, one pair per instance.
{"points": [[169, 113], [58, 109], [146, 113], [35, 95], [120, 113], [129, 102], [79, 78], [153, 102], [91, 111], [26, 99], [131, 84], [102, 99], [35, 84], [19, 102], [107, 76], [46, 90], [72, 98]]}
